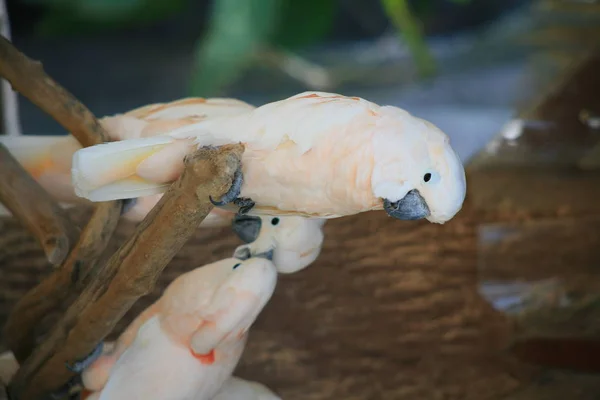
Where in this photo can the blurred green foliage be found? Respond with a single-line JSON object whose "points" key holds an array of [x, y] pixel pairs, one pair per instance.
{"points": [[286, 24], [238, 29], [408, 28], [88, 16]]}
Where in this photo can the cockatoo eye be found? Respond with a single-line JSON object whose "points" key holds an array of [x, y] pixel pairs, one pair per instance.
{"points": [[431, 177], [237, 265], [275, 221]]}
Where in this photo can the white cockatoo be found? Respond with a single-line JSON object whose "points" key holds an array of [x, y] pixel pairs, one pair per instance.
{"points": [[234, 388], [314, 154], [185, 345], [293, 243], [48, 158]]}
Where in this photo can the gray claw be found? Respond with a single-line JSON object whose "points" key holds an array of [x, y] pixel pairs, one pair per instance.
{"points": [[234, 190], [245, 205], [79, 366]]}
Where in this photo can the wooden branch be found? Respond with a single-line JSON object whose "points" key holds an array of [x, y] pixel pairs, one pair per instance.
{"points": [[130, 273], [38, 212], [28, 78], [50, 295], [31, 204]]}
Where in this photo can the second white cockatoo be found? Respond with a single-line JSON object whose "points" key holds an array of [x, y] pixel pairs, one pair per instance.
{"points": [[293, 243], [48, 159], [234, 388], [185, 345], [314, 154]]}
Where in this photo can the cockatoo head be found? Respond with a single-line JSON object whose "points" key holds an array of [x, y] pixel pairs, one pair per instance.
{"points": [[292, 242], [416, 172], [254, 276], [241, 289]]}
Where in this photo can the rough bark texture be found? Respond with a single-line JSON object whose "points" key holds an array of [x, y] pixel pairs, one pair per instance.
{"points": [[34, 207], [29, 79], [48, 300], [40, 214], [130, 273]]}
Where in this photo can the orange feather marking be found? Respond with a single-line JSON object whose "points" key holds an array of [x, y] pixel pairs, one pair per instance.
{"points": [[42, 167], [309, 96], [208, 358]]}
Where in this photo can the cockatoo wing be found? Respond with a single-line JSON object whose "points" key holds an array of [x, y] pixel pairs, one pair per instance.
{"points": [[303, 119], [153, 367], [49, 158], [192, 106], [146, 165]]}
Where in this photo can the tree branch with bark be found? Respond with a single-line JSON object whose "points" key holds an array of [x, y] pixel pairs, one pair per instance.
{"points": [[131, 272], [36, 209], [102, 293]]}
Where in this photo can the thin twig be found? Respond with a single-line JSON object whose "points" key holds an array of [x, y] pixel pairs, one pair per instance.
{"points": [[49, 296], [130, 273], [28, 78], [10, 102], [40, 214]]}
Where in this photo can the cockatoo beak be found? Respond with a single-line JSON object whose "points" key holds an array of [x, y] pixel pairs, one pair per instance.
{"points": [[246, 227], [411, 207], [267, 254], [244, 252]]}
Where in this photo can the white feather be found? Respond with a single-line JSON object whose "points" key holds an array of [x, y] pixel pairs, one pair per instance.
{"points": [[304, 119], [126, 189], [112, 164], [154, 367]]}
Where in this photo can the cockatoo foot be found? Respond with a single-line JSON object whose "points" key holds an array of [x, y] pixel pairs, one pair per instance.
{"points": [[245, 204], [233, 192], [128, 204], [66, 391], [79, 366]]}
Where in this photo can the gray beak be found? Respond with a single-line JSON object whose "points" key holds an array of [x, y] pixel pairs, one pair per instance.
{"points": [[246, 227], [244, 253], [268, 255], [410, 207]]}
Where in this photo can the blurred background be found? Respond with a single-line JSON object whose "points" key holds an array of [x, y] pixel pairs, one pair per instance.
{"points": [[466, 65]]}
